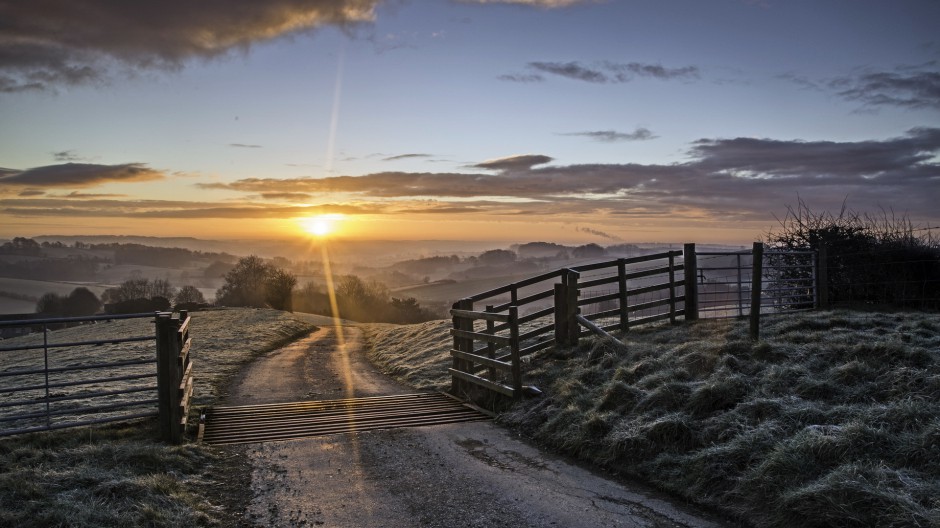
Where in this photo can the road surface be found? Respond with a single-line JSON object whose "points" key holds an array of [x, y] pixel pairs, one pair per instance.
{"points": [[461, 475]]}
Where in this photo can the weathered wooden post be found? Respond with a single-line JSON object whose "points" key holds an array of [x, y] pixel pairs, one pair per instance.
{"points": [[491, 346], [561, 314], [571, 307], [462, 344], [757, 272], [672, 288], [622, 290], [691, 285], [516, 360], [168, 374], [822, 278]]}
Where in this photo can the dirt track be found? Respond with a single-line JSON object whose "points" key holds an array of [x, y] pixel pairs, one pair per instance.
{"points": [[472, 474]]}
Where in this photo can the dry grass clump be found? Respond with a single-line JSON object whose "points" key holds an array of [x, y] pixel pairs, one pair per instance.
{"points": [[832, 419], [121, 475]]}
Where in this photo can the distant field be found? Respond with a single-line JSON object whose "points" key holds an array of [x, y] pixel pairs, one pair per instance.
{"points": [[34, 289], [450, 292], [15, 306]]}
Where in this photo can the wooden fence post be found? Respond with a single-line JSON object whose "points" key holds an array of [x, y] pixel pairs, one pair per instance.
{"points": [[561, 314], [462, 344], [822, 278], [691, 284], [571, 307], [672, 288], [757, 272], [490, 346], [516, 360], [622, 289], [168, 374]]}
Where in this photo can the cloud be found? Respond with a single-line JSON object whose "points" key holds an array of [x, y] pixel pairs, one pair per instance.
{"points": [[626, 72], [101, 208], [79, 175], [725, 180], [521, 77], [548, 4], [244, 145], [571, 70], [67, 42], [405, 156], [286, 196], [906, 88], [514, 163], [596, 232], [612, 136], [67, 155], [733, 178], [602, 72]]}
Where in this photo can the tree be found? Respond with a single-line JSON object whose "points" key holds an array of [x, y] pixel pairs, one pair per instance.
{"points": [[131, 289], [161, 288], [49, 304], [278, 287], [80, 302], [244, 284], [588, 251], [189, 294], [497, 257]]}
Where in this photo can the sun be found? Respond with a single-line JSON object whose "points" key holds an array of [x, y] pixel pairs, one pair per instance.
{"points": [[320, 226]]}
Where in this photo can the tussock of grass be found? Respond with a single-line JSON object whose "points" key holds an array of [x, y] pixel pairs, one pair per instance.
{"points": [[832, 419], [121, 475]]}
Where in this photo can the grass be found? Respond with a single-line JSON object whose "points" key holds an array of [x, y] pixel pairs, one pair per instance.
{"points": [[833, 418], [120, 475]]}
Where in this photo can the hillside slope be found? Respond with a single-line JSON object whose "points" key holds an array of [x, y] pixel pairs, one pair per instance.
{"points": [[833, 418]]}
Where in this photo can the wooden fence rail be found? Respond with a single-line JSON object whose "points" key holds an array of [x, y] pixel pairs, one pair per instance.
{"points": [[489, 344], [559, 307]]}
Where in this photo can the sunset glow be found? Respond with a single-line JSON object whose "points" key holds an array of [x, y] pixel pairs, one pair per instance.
{"points": [[321, 226], [571, 121]]}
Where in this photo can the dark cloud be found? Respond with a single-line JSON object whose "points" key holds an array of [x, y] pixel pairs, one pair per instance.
{"points": [[915, 89], [29, 193], [79, 175], [739, 177], [172, 209], [626, 72], [405, 156], [612, 136], [548, 4], [66, 42], [596, 232], [514, 163], [731, 180], [244, 145], [66, 155], [521, 77], [571, 70], [604, 72], [286, 196]]}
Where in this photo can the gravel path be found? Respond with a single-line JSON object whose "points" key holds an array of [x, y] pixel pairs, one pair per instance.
{"points": [[460, 475]]}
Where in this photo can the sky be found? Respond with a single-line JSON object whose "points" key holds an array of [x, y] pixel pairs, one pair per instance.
{"points": [[568, 121]]}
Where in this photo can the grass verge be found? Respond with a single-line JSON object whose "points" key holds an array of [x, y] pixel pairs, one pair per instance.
{"points": [[832, 419], [120, 475]]}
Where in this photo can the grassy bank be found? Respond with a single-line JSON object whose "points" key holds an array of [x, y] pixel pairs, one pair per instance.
{"points": [[832, 419], [121, 475]]}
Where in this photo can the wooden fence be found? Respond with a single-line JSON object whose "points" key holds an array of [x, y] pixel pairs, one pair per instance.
{"points": [[491, 344], [516, 320], [47, 384]]}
